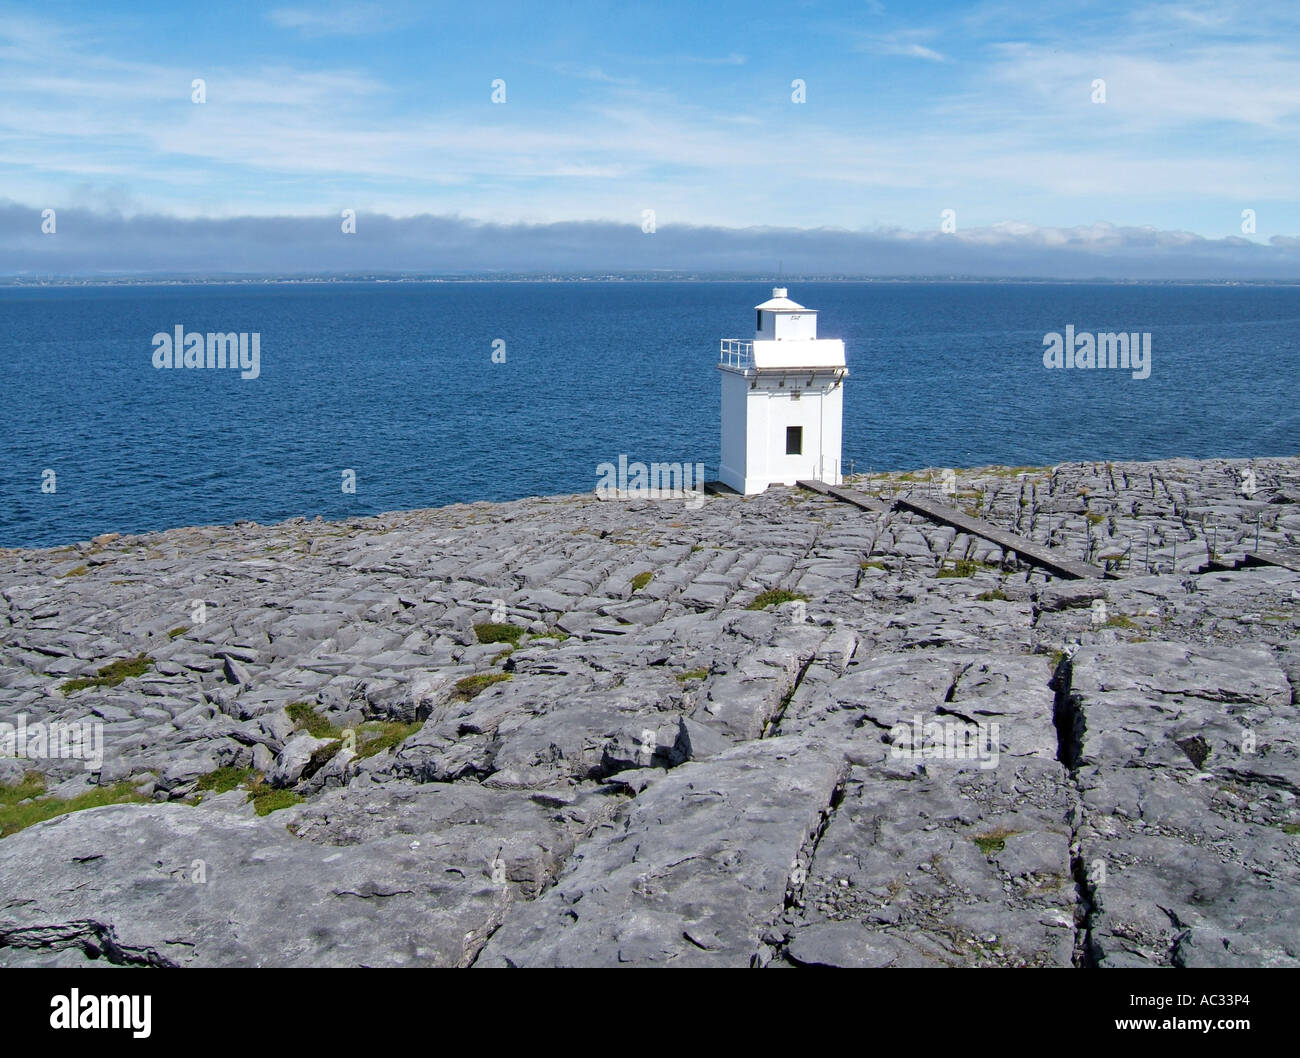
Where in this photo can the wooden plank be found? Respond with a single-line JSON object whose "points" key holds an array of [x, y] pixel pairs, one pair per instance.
{"points": [[858, 499], [1035, 554], [1272, 558]]}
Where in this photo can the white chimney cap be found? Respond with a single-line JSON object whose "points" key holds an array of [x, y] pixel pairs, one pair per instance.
{"points": [[780, 303]]}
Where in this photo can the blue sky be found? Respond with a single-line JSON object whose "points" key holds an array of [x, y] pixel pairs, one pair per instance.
{"points": [[683, 108]]}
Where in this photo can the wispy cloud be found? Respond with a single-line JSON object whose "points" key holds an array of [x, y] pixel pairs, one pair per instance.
{"points": [[906, 43], [731, 59], [908, 49], [593, 73], [344, 20], [1247, 84]]}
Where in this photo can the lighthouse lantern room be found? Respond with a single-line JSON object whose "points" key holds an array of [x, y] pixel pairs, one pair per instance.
{"points": [[782, 400]]}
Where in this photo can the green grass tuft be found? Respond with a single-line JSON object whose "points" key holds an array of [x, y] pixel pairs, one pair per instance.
{"points": [[692, 674], [305, 718], [267, 799], [111, 674], [962, 567], [997, 595], [641, 580], [223, 780], [22, 805], [775, 597], [498, 632], [994, 840], [473, 686], [179, 631], [30, 785], [376, 736]]}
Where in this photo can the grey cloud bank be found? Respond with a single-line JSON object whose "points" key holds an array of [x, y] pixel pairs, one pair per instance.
{"points": [[88, 243]]}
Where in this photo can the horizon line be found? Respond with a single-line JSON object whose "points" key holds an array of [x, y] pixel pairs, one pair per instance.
{"points": [[375, 276]]}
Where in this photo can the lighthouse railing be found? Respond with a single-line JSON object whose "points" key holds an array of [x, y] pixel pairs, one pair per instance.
{"points": [[736, 352]]}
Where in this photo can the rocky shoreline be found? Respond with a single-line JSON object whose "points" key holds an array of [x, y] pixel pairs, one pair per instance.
{"points": [[562, 731]]}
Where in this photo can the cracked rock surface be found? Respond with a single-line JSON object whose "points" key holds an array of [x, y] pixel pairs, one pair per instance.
{"points": [[924, 753]]}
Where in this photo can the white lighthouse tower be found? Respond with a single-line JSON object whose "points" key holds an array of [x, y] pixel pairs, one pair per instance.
{"points": [[782, 400]]}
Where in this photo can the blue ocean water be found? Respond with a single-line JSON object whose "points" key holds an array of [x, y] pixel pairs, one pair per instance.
{"points": [[396, 382]]}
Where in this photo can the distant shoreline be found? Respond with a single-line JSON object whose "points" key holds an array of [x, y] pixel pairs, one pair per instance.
{"points": [[20, 282]]}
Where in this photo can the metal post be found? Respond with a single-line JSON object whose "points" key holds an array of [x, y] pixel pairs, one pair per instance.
{"points": [[1257, 514]]}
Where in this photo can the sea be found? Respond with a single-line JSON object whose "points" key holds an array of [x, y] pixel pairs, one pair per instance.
{"points": [[431, 393]]}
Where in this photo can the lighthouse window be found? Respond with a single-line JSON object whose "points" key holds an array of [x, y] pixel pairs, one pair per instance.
{"points": [[794, 440], [759, 325]]}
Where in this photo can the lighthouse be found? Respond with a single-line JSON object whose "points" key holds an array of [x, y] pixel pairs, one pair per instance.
{"points": [[782, 400]]}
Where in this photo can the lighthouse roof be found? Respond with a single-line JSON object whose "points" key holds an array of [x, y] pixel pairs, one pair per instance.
{"points": [[779, 302]]}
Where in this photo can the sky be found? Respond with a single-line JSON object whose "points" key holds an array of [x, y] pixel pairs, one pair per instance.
{"points": [[989, 111]]}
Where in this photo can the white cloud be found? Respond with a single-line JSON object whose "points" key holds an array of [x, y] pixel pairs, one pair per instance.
{"points": [[343, 21], [1249, 84], [904, 44]]}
